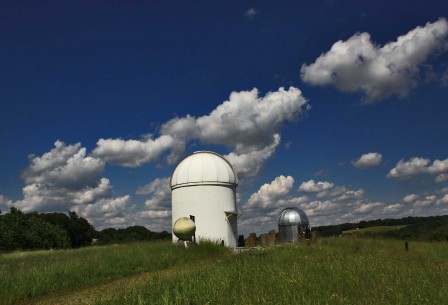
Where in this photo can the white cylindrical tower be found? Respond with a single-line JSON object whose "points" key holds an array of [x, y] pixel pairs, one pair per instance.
{"points": [[204, 186]]}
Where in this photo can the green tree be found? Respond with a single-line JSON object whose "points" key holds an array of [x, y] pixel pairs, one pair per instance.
{"points": [[81, 232], [78, 229], [19, 231]]}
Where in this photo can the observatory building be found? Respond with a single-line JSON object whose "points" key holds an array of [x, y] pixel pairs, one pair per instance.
{"points": [[293, 224], [204, 189]]}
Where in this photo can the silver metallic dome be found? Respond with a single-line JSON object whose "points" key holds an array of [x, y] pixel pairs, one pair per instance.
{"points": [[293, 217]]}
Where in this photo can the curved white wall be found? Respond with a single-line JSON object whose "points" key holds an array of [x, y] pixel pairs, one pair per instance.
{"points": [[208, 203]]}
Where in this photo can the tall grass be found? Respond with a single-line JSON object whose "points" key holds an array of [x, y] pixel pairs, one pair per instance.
{"points": [[339, 271], [26, 275], [345, 271]]}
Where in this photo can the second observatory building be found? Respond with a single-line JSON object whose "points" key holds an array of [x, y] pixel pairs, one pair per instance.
{"points": [[204, 188], [293, 224]]}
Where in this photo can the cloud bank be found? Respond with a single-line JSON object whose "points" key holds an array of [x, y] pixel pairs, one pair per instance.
{"points": [[360, 65], [66, 178], [246, 123], [327, 203], [417, 166]]}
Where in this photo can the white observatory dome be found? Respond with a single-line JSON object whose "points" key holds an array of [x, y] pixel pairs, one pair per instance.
{"points": [[203, 167], [204, 189]]}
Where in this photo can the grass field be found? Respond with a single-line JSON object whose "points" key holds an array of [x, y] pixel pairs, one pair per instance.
{"points": [[379, 229], [331, 271], [24, 276]]}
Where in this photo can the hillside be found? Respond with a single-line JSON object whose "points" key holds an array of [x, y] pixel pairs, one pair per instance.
{"points": [[418, 228], [371, 230]]}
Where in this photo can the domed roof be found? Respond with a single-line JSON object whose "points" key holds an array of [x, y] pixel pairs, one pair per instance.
{"points": [[203, 167], [292, 217]]}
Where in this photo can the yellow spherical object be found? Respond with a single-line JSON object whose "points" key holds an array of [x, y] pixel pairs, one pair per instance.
{"points": [[184, 228]]}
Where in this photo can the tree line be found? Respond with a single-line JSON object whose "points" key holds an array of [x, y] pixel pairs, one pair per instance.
{"points": [[30, 231], [424, 228]]}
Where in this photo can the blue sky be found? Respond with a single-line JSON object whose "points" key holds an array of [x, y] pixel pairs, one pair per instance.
{"points": [[337, 108]]}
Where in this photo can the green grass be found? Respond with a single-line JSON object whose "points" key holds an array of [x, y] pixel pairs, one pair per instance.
{"points": [[27, 275], [331, 271], [378, 229], [345, 271]]}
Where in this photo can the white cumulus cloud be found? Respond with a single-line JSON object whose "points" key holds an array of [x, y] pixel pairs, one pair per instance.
{"points": [[313, 187], [269, 194], [247, 123], [107, 212], [368, 160], [358, 64], [410, 198], [160, 192], [64, 166], [425, 201], [443, 200], [64, 179], [418, 166], [91, 195], [133, 153], [248, 164]]}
